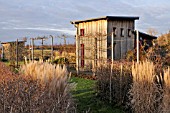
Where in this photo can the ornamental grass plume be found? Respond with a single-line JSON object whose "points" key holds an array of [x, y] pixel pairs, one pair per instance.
{"points": [[55, 81], [166, 92], [40, 88], [144, 93]]}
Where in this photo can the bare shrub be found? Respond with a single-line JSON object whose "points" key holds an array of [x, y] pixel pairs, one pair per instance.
{"points": [[144, 93], [41, 88], [121, 80]]}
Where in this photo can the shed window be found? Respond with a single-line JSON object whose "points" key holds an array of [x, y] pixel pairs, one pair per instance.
{"points": [[114, 31], [122, 33], [129, 32], [81, 32]]}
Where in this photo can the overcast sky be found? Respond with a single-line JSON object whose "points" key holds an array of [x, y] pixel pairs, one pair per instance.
{"points": [[32, 18]]}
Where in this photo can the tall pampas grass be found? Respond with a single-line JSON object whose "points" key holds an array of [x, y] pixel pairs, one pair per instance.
{"points": [[53, 75], [144, 93], [39, 88], [166, 92], [54, 79]]}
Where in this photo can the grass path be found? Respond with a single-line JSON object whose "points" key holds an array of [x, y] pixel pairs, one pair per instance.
{"points": [[86, 100]]}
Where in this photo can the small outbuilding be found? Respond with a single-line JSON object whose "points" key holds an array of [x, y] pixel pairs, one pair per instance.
{"points": [[145, 40], [99, 40], [12, 50]]}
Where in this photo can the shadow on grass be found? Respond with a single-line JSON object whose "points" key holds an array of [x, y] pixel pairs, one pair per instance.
{"points": [[83, 91], [86, 100]]}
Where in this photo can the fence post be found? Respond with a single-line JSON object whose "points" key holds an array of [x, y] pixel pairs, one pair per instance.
{"points": [[112, 51], [112, 47], [42, 43], [32, 49], [64, 37], [137, 45], [52, 41], [17, 52]]}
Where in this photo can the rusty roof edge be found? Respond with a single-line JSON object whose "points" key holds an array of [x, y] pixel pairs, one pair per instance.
{"points": [[12, 42], [106, 17]]}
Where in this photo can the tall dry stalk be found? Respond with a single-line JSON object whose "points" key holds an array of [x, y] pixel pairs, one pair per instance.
{"points": [[55, 80], [144, 92], [114, 83], [166, 92]]}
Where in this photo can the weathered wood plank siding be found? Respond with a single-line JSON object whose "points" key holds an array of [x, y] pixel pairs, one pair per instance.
{"points": [[10, 50], [95, 42], [122, 43]]}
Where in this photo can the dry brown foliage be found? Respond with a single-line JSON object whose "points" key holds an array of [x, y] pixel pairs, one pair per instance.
{"points": [[5, 73], [145, 92], [166, 92], [121, 80], [147, 89], [40, 88]]}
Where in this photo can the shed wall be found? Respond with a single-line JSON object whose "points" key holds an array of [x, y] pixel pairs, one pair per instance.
{"points": [[10, 50], [122, 44], [95, 42]]}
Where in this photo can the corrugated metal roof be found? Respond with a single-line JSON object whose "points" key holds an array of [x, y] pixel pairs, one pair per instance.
{"points": [[106, 18]]}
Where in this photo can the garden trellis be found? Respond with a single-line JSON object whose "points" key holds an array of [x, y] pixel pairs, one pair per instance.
{"points": [[50, 37], [15, 53]]}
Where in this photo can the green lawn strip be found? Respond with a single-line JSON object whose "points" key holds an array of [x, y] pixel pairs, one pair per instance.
{"points": [[86, 100], [19, 63]]}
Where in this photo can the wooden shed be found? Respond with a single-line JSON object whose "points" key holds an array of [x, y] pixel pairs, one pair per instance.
{"points": [[94, 39], [10, 50]]}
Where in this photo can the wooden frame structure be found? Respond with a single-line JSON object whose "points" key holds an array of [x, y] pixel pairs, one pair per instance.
{"points": [[96, 36]]}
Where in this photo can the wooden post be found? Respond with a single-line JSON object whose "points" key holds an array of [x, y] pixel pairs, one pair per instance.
{"points": [[95, 56], [42, 42], [137, 45], [112, 46], [17, 53], [30, 51], [111, 73], [64, 46], [52, 41], [120, 83], [33, 49], [77, 50], [110, 87]]}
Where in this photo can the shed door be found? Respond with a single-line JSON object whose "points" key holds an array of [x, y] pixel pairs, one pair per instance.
{"points": [[82, 55]]}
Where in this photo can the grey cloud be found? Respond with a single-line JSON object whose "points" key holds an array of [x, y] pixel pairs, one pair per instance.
{"points": [[21, 18]]}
